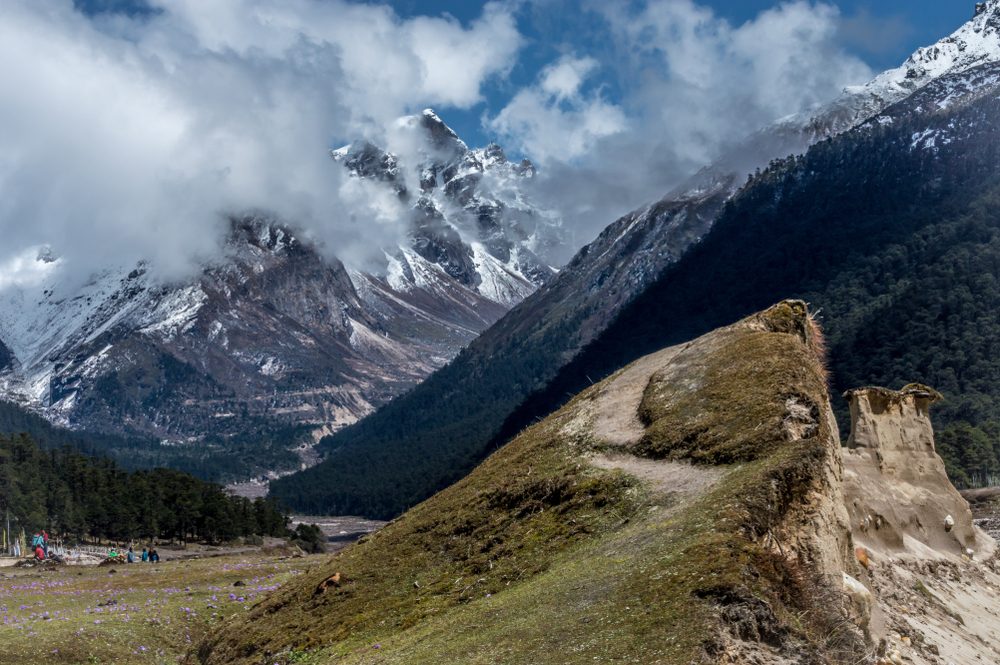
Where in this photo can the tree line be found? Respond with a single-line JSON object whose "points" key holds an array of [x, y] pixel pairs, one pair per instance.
{"points": [[81, 497]]}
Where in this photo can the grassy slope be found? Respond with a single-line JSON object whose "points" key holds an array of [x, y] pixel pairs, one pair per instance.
{"points": [[539, 557], [137, 615]]}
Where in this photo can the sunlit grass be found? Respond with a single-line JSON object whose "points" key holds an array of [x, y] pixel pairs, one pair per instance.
{"points": [[140, 613]]}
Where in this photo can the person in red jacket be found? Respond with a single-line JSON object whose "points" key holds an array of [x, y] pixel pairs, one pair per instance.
{"points": [[39, 553]]}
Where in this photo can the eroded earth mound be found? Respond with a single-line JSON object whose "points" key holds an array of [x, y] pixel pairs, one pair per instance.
{"points": [[692, 508]]}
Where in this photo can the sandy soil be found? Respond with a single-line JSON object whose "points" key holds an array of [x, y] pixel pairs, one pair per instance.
{"points": [[617, 406], [617, 423], [662, 475], [937, 612]]}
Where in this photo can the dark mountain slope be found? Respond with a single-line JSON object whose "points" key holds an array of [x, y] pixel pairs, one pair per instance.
{"points": [[14, 419], [803, 227], [215, 459], [892, 231], [6, 357]]}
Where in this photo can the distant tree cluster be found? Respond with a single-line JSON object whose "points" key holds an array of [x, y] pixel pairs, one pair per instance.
{"points": [[82, 497], [216, 458]]}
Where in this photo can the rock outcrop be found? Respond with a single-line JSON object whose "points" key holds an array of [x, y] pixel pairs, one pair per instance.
{"points": [[931, 572], [897, 490]]}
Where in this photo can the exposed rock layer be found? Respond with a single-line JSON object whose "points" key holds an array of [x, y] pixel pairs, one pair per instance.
{"points": [[931, 571], [897, 488]]}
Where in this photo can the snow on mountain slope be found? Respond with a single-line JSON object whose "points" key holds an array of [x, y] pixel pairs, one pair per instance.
{"points": [[468, 211], [975, 43], [275, 332]]}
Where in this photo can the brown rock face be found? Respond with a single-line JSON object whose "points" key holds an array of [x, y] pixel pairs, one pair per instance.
{"points": [[898, 494], [931, 573]]}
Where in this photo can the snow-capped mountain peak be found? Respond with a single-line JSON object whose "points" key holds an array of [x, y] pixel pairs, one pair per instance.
{"points": [[271, 332], [975, 43], [470, 216]]}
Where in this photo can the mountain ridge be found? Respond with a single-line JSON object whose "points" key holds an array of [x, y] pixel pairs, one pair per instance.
{"points": [[457, 416], [273, 334]]}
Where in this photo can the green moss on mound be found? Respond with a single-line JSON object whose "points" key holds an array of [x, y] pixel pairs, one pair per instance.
{"points": [[739, 409], [538, 557], [497, 528]]}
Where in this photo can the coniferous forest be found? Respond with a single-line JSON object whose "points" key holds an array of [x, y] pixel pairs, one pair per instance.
{"points": [[85, 498]]}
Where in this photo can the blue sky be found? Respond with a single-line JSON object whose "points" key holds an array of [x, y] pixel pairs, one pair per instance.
{"points": [[133, 133], [881, 33]]}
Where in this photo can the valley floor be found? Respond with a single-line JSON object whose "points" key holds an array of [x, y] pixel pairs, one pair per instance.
{"points": [[132, 614]]}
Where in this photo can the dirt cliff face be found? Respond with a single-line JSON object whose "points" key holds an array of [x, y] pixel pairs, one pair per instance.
{"points": [[897, 488], [928, 576]]}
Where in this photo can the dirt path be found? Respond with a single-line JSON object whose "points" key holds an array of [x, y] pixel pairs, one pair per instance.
{"points": [[617, 407], [663, 475], [617, 424]]}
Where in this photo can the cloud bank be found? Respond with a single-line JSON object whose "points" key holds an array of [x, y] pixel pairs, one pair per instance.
{"points": [[128, 137], [131, 138]]}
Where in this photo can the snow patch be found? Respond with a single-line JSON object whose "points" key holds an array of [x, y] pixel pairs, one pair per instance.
{"points": [[175, 313], [499, 282]]}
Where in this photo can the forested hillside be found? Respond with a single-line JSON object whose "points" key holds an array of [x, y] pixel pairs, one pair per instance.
{"points": [[891, 230], [83, 497], [216, 459]]}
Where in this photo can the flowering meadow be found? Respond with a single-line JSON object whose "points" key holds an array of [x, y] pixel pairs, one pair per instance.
{"points": [[139, 613]]}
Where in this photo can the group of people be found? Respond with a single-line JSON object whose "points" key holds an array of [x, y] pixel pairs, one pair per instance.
{"points": [[40, 549], [149, 554], [40, 545]]}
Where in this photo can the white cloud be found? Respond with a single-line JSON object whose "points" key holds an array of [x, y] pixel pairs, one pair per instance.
{"points": [[555, 119], [690, 84], [564, 79], [131, 138], [24, 269]]}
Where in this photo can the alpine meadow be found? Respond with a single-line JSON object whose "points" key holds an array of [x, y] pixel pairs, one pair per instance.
{"points": [[497, 332]]}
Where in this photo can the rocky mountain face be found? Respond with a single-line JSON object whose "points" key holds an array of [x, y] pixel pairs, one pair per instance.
{"points": [[928, 577], [274, 334], [6, 358], [694, 507], [526, 357], [469, 216]]}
